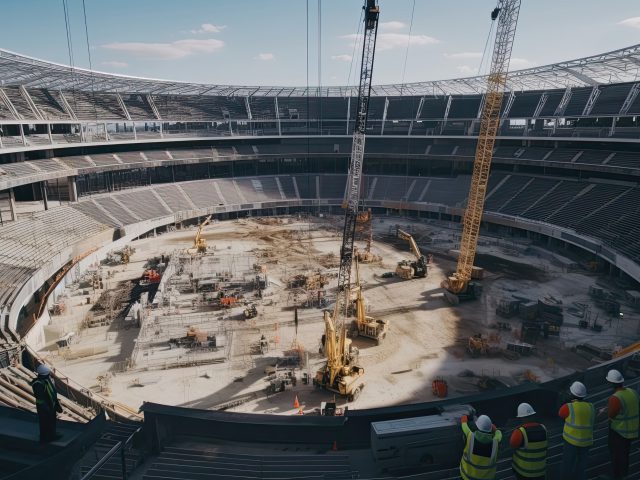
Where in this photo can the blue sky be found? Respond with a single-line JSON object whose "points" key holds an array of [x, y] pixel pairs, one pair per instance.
{"points": [[264, 42]]}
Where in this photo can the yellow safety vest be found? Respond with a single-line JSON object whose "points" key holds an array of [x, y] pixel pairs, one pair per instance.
{"points": [[49, 390], [530, 460], [578, 426], [478, 467], [626, 422]]}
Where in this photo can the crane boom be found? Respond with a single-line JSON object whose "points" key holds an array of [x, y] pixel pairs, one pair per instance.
{"points": [[507, 14], [352, 191]]}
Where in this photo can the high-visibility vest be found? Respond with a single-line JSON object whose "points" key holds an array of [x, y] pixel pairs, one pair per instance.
{"points": [[626, 422], [474, 466], [530, 460], [49, 391], [578, 426]]}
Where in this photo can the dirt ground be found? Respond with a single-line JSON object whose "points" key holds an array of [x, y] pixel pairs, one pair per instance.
{"points": [[427, 337]]}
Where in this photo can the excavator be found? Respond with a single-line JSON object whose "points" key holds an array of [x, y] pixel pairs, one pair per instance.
{"points": [[633, 348], [199, 243], [417, 268], [340, 374], [364, 325], [458, 286]]}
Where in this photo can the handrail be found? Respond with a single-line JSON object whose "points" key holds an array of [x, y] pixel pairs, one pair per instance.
{"points": [[120, 446]]}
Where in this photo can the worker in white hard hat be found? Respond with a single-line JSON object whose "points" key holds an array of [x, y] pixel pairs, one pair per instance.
{"points": [[47, 404], [480, 454], [623, 411], [579, 418], [529, 443]]}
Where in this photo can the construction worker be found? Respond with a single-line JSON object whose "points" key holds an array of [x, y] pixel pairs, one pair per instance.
{"points": [[579, 417], [529, 443], [46, 403], [480, 450], [623, 410]]}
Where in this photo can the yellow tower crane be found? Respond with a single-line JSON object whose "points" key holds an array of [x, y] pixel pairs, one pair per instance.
{"points": [[458, 286]]}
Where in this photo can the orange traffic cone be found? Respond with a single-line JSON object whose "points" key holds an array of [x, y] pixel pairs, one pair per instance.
{"points": [[334, 447], [296, 403]]}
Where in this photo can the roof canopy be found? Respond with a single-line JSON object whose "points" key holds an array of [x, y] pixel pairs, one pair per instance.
{"points": [[613, 67]]}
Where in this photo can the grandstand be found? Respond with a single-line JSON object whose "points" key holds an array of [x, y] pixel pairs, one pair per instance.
{"points": [[90, 161]]}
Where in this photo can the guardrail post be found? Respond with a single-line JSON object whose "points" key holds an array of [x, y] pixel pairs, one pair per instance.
{"points": [[123, 457]]}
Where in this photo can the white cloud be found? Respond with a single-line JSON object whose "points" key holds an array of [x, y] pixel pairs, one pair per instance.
{"points": [[520, 63], [265, 56], [342, 58], [466, 70], [114, 64], [209, 28], [168, 51], [633, 22], [463, 55], [392, 25], [389, 41]]}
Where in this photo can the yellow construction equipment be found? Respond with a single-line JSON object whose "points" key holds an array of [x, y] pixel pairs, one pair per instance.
{"points": [[338, 375], [458, 286], [415, 269], [633, 348], [364, 325], [199, 243], [364, 226]]}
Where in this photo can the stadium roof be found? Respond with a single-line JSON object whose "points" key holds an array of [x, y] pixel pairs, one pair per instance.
{"points": [[612, 67]]}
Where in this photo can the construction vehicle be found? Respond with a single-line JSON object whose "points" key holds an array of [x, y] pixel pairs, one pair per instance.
{"points": [[458, 286], [340, 374], [251, 311], [150, 277], [411, 269], [364, 325], [477, 345], [199, 243], [194, 339]]}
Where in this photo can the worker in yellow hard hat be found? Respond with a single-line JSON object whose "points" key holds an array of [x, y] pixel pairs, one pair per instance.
{"points": [[480, 454], [579, 418]]}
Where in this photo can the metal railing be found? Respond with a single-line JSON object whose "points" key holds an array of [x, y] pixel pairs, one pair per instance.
{"points": [[118, 447]]}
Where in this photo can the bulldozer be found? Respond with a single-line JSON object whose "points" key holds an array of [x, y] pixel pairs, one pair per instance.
{"points": [[251, 311], [199, 243], [364, 325], [338, 375], [417, 268]]}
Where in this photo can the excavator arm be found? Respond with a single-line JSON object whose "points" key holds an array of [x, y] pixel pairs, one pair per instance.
{"points": [[412, 243]]}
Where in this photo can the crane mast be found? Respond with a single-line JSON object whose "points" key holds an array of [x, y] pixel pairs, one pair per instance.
{"points": [[352, 192], [507, 14]]}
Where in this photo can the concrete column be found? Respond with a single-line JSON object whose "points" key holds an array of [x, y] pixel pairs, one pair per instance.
{"points": [[73, 189], [12, 205], [45, 199]]}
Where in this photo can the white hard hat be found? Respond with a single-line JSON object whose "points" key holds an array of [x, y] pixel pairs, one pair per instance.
{"points": [[614, 376], [578, 389], [525, 410], [43, 370], [484, 424]]}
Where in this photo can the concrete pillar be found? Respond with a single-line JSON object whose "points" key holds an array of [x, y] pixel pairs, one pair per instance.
{"points": [[43, 191], [73, 189], [12, 205]]}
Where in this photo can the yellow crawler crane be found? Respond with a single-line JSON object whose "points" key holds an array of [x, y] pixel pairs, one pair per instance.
{"points": [[364, 325], [338, 375], [199, 243], [458, 286]]}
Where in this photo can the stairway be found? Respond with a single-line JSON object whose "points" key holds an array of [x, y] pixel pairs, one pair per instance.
{"points": [[114, 432]]}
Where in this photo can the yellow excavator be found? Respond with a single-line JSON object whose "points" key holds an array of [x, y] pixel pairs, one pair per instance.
{"points": [[199, 243], [458, 286], [633, 348], [338, 375], [364, 325], [411, 269]]}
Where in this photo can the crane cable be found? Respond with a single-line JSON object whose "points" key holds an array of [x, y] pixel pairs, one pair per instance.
{"points": [[93, 91], [355, 44], [486, 43], [406, 53], [65, 9]]}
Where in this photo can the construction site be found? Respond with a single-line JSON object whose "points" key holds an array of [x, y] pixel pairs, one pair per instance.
{"points": [[234, 316]]}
